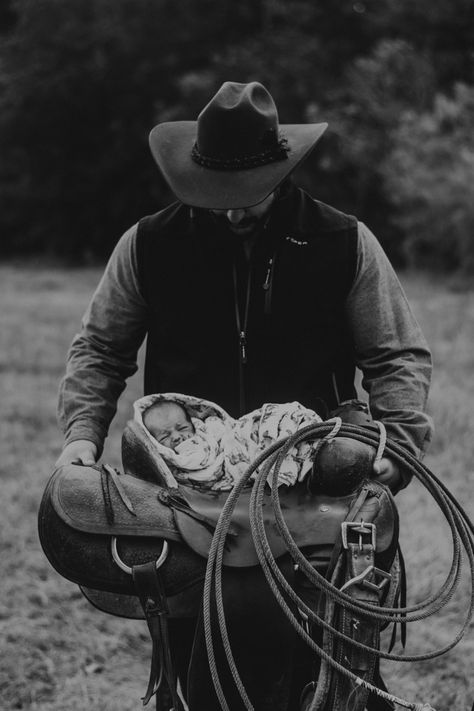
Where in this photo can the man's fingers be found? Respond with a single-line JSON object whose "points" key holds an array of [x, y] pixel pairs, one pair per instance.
{"points": [[78, 452], [387, 472]]}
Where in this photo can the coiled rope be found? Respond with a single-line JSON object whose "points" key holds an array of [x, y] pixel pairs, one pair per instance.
{"points": [[269, 462]]}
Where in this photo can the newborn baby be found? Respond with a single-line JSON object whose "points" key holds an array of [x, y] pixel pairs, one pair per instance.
{"points": [[190, 436], [204, 446], [169, 423]]}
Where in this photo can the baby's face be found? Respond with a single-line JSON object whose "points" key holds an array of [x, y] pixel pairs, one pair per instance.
{"points": [[169, 424]]}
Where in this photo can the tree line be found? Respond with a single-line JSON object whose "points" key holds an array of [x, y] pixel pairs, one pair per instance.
{"points": [[82, 82]]}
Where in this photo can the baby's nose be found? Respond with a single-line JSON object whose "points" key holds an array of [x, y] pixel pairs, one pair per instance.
{"points": [[176, 438]]}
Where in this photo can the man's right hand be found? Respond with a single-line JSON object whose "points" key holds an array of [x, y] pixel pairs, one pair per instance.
{"points": [[81, 451]]}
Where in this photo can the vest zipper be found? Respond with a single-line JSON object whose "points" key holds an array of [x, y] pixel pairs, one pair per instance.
{"points": [[242, 323], [242, 332], [268, 284], [243, 343]]}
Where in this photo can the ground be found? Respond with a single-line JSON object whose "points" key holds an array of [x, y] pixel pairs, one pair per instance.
{"points": [[57, 653]]}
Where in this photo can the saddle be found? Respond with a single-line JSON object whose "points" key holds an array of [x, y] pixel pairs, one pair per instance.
{"points": [[83, 508], [105, 531]]}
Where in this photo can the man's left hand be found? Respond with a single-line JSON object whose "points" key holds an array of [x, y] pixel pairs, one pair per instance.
{"points": [[388, 473]]}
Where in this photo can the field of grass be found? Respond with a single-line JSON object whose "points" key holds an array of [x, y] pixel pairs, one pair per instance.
{"points": [[57, 653]]}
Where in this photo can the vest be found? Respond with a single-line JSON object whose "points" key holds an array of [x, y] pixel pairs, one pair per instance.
{"points": [[240, 332]]}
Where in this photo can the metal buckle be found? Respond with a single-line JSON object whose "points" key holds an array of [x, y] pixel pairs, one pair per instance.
{"points": [[378, 587], [362, 579], [358, 527]]}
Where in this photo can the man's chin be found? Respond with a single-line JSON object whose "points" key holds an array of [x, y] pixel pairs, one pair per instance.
{"points": [[246, 231]]}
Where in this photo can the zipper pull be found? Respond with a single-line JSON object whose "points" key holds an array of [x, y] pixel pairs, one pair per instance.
{"points": [[266, 283], [243, 343]]}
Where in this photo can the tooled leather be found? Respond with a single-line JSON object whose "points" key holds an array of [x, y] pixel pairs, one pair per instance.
{"points": [[76, 495]]}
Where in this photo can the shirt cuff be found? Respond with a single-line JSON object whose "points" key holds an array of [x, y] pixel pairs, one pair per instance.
{"points": [[88, 431]]}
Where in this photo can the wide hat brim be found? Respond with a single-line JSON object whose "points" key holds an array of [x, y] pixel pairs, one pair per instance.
{"points": [[171, 145]]}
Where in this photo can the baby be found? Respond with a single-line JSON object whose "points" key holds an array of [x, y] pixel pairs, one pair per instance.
{"points": [[204, 446], [169, 423], [189, 437]]}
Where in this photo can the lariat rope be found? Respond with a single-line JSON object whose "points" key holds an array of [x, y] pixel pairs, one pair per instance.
{"points": [[462, 533]]}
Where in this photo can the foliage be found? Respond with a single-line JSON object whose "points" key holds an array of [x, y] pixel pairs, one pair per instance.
{"points": [[83, 81], [362, 116], [79, 88], [430, 175]]}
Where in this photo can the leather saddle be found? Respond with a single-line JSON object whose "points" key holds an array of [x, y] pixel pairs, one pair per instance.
{"points": [[84, 508]]}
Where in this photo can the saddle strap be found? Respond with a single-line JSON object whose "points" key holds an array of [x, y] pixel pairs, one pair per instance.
{"points": [[151, 593], [360, 584], [178, 502], [327, 609], [356, 574], [401, 600]]}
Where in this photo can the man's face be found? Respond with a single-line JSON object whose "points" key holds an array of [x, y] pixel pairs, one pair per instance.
{"points": [[244, 221]]}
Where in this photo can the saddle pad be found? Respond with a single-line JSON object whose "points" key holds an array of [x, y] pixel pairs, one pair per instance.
{"points": [[184, 604]]}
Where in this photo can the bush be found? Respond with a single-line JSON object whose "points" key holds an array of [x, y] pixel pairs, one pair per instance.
{"points": [[378, 88], [429, 177]]}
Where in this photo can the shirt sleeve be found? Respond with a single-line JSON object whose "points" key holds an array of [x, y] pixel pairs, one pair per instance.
{"points": [[104, 353], [390, 348]]}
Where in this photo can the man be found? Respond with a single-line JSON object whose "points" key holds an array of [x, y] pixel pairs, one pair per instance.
{"points": [[248, 290]]}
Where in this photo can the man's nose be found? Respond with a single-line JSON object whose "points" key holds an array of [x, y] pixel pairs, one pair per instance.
{"points": [[235, 216]]}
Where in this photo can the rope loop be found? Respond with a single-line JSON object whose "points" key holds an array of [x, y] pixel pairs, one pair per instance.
{"points": [[382, 441], [268, 465], [330, 435]]}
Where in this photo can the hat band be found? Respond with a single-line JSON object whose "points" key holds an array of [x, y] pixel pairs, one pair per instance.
{"points": [[277, 152]]}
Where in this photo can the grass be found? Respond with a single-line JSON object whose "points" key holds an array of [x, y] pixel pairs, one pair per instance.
{"points": [[57, 653]]}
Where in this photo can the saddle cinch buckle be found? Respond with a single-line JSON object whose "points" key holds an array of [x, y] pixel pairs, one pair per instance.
{"points": [[366, 534], [361, 528]]}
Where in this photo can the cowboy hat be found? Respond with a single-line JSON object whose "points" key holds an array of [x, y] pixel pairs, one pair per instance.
{"points": [[236, 153]]}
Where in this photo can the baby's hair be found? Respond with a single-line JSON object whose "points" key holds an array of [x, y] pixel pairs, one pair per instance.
{"points": [[159, 403]]}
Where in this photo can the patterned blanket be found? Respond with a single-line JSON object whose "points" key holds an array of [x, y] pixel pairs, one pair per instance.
{"points": [[221, 449]]}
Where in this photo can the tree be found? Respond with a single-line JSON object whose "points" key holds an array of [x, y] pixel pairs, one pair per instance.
{"points": [[83, 81]]}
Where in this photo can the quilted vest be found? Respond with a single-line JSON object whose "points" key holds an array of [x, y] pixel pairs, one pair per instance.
{"points": [[195, 276]]}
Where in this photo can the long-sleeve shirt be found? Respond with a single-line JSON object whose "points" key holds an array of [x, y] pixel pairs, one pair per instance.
{"points": [[389, 347]]}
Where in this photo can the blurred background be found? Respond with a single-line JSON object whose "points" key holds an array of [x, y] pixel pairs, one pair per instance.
{"points": [[82, 82]]}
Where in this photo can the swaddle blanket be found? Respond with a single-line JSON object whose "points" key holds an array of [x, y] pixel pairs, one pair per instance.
{"points": [[222, 448], [256, 431]]}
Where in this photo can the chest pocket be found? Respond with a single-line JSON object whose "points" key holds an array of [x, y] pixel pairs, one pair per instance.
{"points": [[308, 288]]}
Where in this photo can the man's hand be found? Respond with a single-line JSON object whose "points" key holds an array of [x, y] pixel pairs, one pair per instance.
{"points": [[81, 451], [388, 473]]}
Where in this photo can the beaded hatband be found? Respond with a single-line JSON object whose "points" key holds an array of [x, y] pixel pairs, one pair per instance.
{"points": [[277, 152]]}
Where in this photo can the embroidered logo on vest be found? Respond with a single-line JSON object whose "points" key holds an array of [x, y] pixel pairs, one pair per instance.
{"points": [[300, 243]]}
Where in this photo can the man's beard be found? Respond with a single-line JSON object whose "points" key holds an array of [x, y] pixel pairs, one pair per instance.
{"points": [[247, 227]]}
